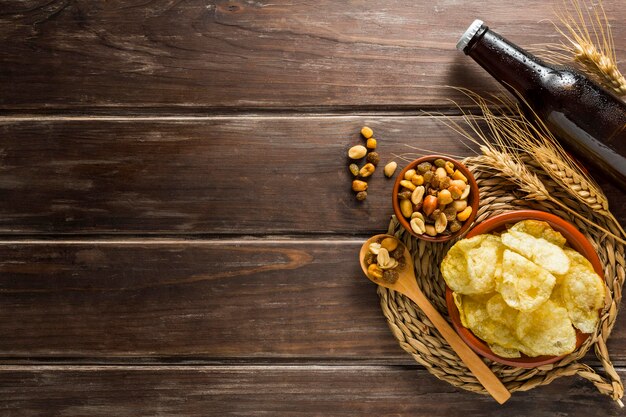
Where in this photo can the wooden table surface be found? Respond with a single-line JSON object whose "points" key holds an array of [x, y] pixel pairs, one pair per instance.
{"points": [[177, 230]]}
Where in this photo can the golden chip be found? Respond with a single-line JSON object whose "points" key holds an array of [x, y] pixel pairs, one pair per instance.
{"points": [[472, 265], [474, 316], [541, 230], [525, 286], [545, 254], [546, 331], [504, 352], [500, 311], [582, 293]]}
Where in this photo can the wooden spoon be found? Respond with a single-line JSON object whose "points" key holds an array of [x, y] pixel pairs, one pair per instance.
{"points": [[407, 285]]}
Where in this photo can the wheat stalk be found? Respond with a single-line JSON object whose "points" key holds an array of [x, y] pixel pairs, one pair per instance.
{"points": [[590, 41], [509, 136]]}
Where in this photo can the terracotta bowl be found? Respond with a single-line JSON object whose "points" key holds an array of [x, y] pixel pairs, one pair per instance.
{"points": [[575, 239], [472, 200]]}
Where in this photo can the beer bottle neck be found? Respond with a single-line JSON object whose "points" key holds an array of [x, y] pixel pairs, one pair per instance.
{"points": [[513, 67]]}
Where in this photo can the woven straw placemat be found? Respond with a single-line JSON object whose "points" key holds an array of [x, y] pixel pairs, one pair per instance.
{"points": [[417, 336]]}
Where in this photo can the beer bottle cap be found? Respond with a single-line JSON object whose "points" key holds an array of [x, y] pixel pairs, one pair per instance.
{"points": [[468, 35]]}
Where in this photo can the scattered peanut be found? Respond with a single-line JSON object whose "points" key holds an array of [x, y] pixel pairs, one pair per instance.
{"points": [[464, 215], [418, 215], [390, 168], [371, 143], [367, 170], [357, 152], [367, 132], [361, 195], [383, 256], [441, 173], [358, 185]]}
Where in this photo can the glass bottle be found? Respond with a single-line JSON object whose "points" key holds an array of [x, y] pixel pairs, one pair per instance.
{"points": [[589, 121]]}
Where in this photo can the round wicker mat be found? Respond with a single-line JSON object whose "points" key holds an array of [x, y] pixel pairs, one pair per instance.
{"points": [[416, 334]]}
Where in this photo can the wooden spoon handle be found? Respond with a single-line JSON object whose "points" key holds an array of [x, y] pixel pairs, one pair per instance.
{"points": [[485, 376]]}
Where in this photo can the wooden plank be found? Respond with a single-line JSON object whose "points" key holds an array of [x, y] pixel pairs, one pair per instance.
{"points": [[222, 175], [195, 54], [275, 391], [204, 300]]}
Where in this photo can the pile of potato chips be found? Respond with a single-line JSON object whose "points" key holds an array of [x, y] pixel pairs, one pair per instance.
{"points": [[524, 291]]}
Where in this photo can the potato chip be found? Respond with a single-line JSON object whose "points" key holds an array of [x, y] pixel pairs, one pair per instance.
{"points": [[545, 254], [546, 331], [524, 286], [499, 311], [541, 230], [582, 293], [472, 265], [504, 352], [474, 316]]}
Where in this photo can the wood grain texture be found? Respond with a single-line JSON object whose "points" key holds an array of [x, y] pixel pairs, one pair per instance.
{"points": [[276, 391], [233, 54], [298, 300], [223, 175]]}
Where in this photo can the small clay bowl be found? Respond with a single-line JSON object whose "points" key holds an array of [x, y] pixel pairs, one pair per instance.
{"points": [[472, 199], [575, 239]]}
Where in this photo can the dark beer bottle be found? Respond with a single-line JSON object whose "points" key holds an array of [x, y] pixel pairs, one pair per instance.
{"points": [[589, 121]]}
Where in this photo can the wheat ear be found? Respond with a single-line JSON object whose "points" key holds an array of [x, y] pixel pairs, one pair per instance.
{"points": [[590, 41]]}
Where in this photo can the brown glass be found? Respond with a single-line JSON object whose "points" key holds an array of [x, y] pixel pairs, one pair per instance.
{"points": [[589, 121]]}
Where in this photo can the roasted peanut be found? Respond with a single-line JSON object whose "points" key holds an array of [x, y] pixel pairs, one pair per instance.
{"points": [[441, 222], [459, 205], [374, 271], [409, 174], [371, 143], [367, 170], [464, 215], [441, 173], [367, 132], [466, 192], [408, 184], [418, 215], [418, 226], [358, 185], [357, 152], [406, 207], [430, 204], [444, 197], [390, 168], [383, 257], [418, 195], [389, 243], [375, 247], [417, 179], [430, 230]]}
